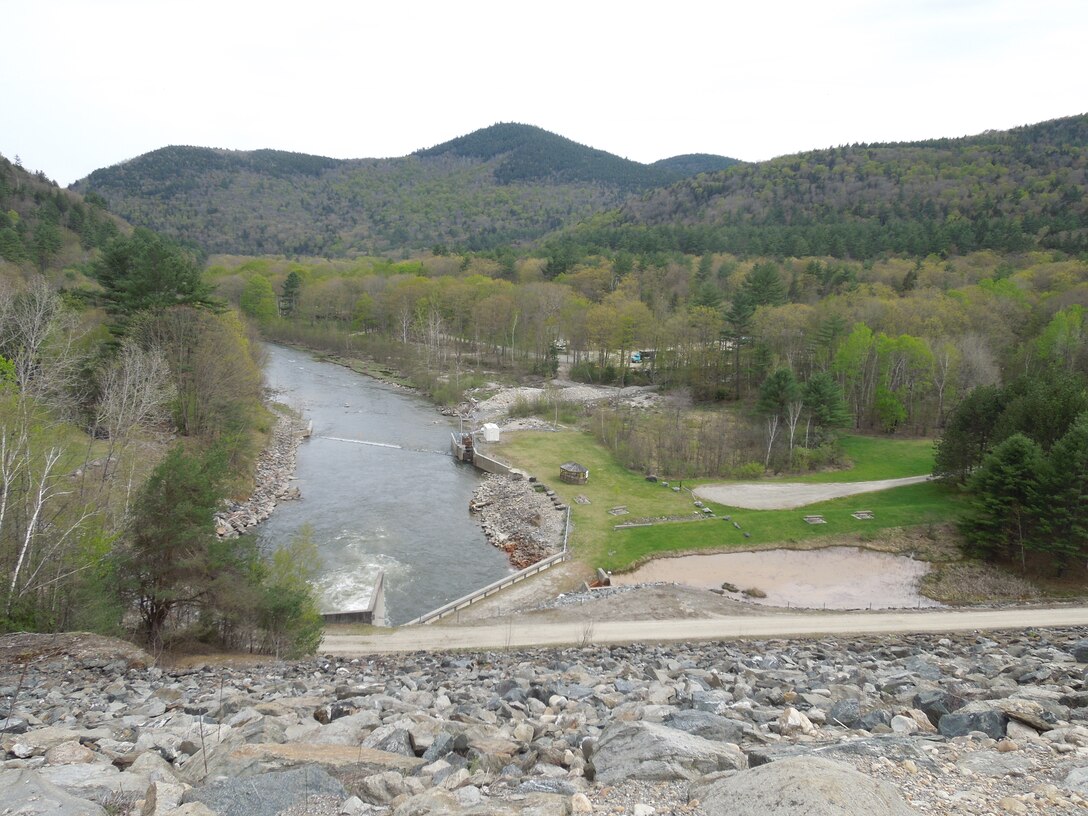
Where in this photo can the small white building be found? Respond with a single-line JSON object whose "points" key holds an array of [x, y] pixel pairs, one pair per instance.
{"points": [[491, 432]]}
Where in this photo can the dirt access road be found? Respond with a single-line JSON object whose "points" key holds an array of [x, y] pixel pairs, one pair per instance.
{"points": [[517, 633], [786, 495]]}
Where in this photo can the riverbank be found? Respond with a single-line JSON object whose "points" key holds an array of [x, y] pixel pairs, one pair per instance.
{"points": [[272, 477], [519, 518]]}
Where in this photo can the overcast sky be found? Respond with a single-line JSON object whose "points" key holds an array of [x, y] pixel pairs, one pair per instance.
{"points": [[86, 84]]}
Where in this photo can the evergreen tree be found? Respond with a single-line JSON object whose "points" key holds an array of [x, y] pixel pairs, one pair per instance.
{"points": [[148, 272], [1003, 518], [170, 559], [738, 322], [292, 291], [764, 286], [1043, 406], [1066, 488], [969, 433], [826, 407]]}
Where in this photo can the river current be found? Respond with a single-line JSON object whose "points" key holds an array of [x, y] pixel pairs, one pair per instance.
{"points": [[397, 504]]}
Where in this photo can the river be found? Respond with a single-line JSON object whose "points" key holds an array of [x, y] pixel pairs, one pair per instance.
{"points": [[370, 507]]}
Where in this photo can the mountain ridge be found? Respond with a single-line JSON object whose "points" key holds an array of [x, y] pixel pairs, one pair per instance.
{"points": [[506, 183], [509, 183], [1013, 190]]}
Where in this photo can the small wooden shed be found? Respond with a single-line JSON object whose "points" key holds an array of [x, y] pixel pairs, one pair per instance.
{"points": [[573, 473]]}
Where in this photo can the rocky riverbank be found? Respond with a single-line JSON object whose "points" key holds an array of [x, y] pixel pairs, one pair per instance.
{"points": [[519, 517], [272, 479], [966, 724]]}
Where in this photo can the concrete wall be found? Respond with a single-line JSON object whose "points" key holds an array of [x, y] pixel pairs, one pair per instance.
{"points": [[374, 613], [486, 463]]}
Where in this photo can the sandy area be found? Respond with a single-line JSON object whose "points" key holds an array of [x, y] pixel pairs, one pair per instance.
{"points": [[785, 495], [498, 406], [811, 579]]}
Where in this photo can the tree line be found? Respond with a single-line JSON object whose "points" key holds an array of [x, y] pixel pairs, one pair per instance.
{"points": [[1020, 451], [130, 408]]}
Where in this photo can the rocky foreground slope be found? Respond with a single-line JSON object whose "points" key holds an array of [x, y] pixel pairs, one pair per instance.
{"points": [[966, 724]]}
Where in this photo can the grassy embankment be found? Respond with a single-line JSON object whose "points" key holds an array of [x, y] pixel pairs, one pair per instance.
{"points": [[596, 542]]}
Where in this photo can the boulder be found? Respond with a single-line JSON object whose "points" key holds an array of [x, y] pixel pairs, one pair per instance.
{"points": [[712, 726], [888, 746], [162, 798], [69, 753], [1077, 781], [997, 764], [846, 713], [641, 750], [25, 792], [382, 788], [792, 722], [13, 725], [990, 721], [250, 760], [267, 794], [391, 739], [803, 786], [936, 704], [436, 801], [1080, 650], [875, 719]]}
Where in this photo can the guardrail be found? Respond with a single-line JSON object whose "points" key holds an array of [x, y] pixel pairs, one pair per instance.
{"points": [[502, 583]]}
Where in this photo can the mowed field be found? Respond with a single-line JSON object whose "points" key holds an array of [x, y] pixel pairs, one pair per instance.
{"points": [[596, 541]]}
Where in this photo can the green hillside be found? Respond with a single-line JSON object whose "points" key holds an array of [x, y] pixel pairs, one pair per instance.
{"points": [[1008, 191], [500, 185], [44, 228]]}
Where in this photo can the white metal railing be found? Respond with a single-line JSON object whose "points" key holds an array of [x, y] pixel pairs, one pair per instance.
{"points": [[502, 583]]}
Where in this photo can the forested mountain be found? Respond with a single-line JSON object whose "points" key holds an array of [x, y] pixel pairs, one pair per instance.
{"points": [[526, 153], [503, 184], [1009, 191]]}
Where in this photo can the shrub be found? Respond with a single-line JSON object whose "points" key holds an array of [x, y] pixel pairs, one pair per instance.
{"points": [[749, 470]]}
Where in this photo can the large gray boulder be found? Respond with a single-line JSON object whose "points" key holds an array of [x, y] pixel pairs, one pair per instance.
{"points": [[27, 793], [991, 721], [712, 726], [803, 786], [267, 794], [642, 750], [1080, 650]]}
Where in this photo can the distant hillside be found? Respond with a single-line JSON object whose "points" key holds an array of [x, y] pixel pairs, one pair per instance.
{"points": [[1010, 191], [692, 164], [499, 185], [44, 229], [526, 153]]}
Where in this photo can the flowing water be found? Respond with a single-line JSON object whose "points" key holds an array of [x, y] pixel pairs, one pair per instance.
{"points": [[375, 506]]}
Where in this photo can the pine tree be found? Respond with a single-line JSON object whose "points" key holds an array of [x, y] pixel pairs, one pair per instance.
{"points": [[1003, 519]]}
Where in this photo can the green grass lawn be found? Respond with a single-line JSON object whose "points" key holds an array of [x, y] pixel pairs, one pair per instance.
{"points": [[878, 458], [597, 543], [907, 506]]}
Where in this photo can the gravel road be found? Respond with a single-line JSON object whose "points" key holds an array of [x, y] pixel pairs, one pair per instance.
{"points": [[517, 633], [785, 495]]}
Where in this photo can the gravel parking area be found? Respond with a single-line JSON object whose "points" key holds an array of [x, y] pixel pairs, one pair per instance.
{"points": [[786, 495]]}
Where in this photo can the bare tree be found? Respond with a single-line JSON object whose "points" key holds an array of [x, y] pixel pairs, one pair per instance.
{"points": [[39, 335], [793, 414], [135, 390]]}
